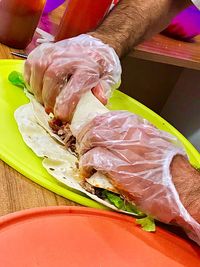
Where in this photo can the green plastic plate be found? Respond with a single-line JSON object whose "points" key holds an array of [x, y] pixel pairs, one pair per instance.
{"points": [[15, 153]]}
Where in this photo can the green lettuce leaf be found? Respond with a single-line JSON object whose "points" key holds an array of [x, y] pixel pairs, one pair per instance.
{"points": [[114, 199], [147, 224], [121, 204], [16, 78]]}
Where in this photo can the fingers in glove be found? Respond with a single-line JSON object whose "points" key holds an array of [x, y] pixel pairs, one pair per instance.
{"points": [[128, 179], [115, 129], [35, 66], [98, 91], [116, 170], [36, 79], [80, 82], [99, 159], [54, 80], [27, 72]]}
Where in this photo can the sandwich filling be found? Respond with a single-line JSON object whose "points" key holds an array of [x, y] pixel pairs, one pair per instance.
{"points": [[55, 143]]}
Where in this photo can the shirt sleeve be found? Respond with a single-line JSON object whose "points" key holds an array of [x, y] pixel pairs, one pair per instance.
{"points": [[196, 3]]}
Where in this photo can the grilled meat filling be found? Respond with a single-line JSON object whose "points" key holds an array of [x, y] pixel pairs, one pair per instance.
{"points": [[64, 132]]}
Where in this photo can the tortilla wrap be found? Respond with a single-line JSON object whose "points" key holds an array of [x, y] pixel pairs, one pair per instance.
{"points": [[33, 125]]}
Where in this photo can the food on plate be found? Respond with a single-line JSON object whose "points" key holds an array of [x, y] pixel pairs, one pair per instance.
{"points": [[55, 143], [115, 157]]}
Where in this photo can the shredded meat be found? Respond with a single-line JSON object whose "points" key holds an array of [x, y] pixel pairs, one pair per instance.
{"points": [[88, 187], [93, 190], [64, 132], [55, 124]]}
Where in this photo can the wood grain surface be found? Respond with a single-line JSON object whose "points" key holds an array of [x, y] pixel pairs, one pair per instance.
{"points": [[163, 49], [19, 193]]}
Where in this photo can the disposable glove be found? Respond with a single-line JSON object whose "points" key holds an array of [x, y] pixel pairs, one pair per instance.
{"points": [[136, 158], [60, 73]]}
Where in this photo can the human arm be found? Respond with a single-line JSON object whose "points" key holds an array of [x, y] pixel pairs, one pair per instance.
{"points": [[58, 74], [187, 182], [131, 22]]}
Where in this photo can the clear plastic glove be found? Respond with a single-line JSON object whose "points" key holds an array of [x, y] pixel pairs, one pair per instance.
{"points": [[136, 158], [59, 74]]}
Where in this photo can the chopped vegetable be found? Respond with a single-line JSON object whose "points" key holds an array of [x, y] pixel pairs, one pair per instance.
{"points": [[16, 78], [121, 204], [147, 224]]}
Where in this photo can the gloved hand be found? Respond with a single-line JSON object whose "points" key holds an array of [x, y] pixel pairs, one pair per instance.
{"points": [[58, 74], [136, 158]]}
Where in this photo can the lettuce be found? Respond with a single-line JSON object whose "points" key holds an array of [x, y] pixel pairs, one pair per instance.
{"points": [[121, 204], [147, 223], [16, 78]]}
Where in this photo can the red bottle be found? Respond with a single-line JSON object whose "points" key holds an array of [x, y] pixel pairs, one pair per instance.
{"points": [[82, 16], [19, 19]]}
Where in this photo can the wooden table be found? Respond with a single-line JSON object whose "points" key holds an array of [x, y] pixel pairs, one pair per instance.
{"points": [[16, 191], [166, 50]]}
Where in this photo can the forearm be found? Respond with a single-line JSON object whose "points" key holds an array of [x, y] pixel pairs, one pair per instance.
{"points": [[134, 21], [187, 182]]}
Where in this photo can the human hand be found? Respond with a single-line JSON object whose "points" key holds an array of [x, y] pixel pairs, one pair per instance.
{"points": [[136, 157], [59, 74]]}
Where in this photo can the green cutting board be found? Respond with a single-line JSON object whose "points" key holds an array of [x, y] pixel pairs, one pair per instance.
{"points": [[15, 153]]}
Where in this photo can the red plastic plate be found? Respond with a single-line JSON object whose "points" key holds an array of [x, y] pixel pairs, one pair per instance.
{"points": [[76, 236]]}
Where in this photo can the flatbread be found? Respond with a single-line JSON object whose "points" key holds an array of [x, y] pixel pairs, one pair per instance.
{"points": [[87, 109], [58, 161], [42, 117], [99, 180]]}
